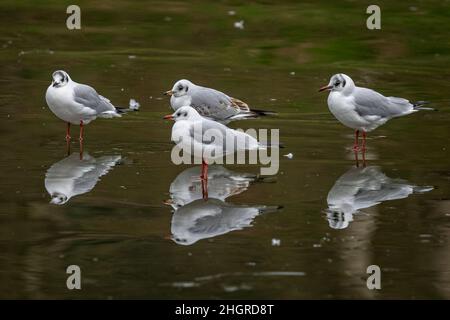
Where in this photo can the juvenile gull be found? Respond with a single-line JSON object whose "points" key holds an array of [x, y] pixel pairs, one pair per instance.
{"points": [[364, 109], [77, 103], [211, 103]]}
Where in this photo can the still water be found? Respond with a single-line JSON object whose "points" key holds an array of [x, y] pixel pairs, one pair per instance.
{"points": [[135, 223]]}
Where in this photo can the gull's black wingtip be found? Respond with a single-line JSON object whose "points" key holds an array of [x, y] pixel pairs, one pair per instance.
{"points": [[419, 105]]}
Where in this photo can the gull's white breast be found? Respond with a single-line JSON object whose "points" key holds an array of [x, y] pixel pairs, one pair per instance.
{"points": [[343, 108], [178, 102], [61, 103]]}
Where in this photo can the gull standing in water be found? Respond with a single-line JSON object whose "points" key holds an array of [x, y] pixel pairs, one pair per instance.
{"points": [[364, 109], [197, 135], [77, 103], [211, 103]]}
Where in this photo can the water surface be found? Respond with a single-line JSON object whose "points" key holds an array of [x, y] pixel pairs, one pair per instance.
{"points": [[289, 236]]}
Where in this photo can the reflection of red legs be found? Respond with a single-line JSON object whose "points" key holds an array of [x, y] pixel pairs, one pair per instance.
{"points": [[81, 140], [364, 142], [364, 153], [68, 147], [205, 189], [356, 144]]}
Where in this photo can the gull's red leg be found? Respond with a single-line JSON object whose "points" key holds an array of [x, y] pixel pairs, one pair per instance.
{"points": [[204, 178], [68, 132], [81, 130], [68, 138], [81, 140], [204, 175], [356, 144]]}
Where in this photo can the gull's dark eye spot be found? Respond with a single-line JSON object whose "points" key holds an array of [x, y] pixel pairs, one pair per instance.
{"points": [[185, 114], [178, 114], [180, 87], [337, 83]]}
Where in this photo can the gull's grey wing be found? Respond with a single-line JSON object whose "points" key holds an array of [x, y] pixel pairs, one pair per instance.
{"points": [[88, 97], [371, 103], [212, 103], [212, 127]]}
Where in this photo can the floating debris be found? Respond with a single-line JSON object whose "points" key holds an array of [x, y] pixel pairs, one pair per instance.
{"points": [[289, 155], [239, 24], [185, 284], [231, 13], [134, 105], [276, 242], [131, 57]]}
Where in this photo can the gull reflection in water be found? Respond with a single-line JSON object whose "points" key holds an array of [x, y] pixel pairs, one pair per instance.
{"points": [[196, 217], [73, 176], [360, 188]]}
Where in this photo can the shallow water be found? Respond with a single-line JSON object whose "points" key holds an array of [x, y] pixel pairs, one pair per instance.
{"points": [[124, 232]]}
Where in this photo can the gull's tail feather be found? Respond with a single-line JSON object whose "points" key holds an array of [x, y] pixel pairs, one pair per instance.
{"points": [[264, 112], [252, 114], [266, 179], [110, 114], [269, 209], [241, 116], [422, 189], [125, 110], [419, 105]]}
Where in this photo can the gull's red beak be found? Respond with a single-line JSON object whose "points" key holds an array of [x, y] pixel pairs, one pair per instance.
{"points": [[325, 88], [168, 117]]}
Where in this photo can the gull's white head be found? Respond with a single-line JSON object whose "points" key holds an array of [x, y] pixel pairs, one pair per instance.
{"points": [[180, 88], [60, 78], [184, 113], [339, 82]]}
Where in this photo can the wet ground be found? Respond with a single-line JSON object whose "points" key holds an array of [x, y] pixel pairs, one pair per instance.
{"points": [[133, 221]]}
